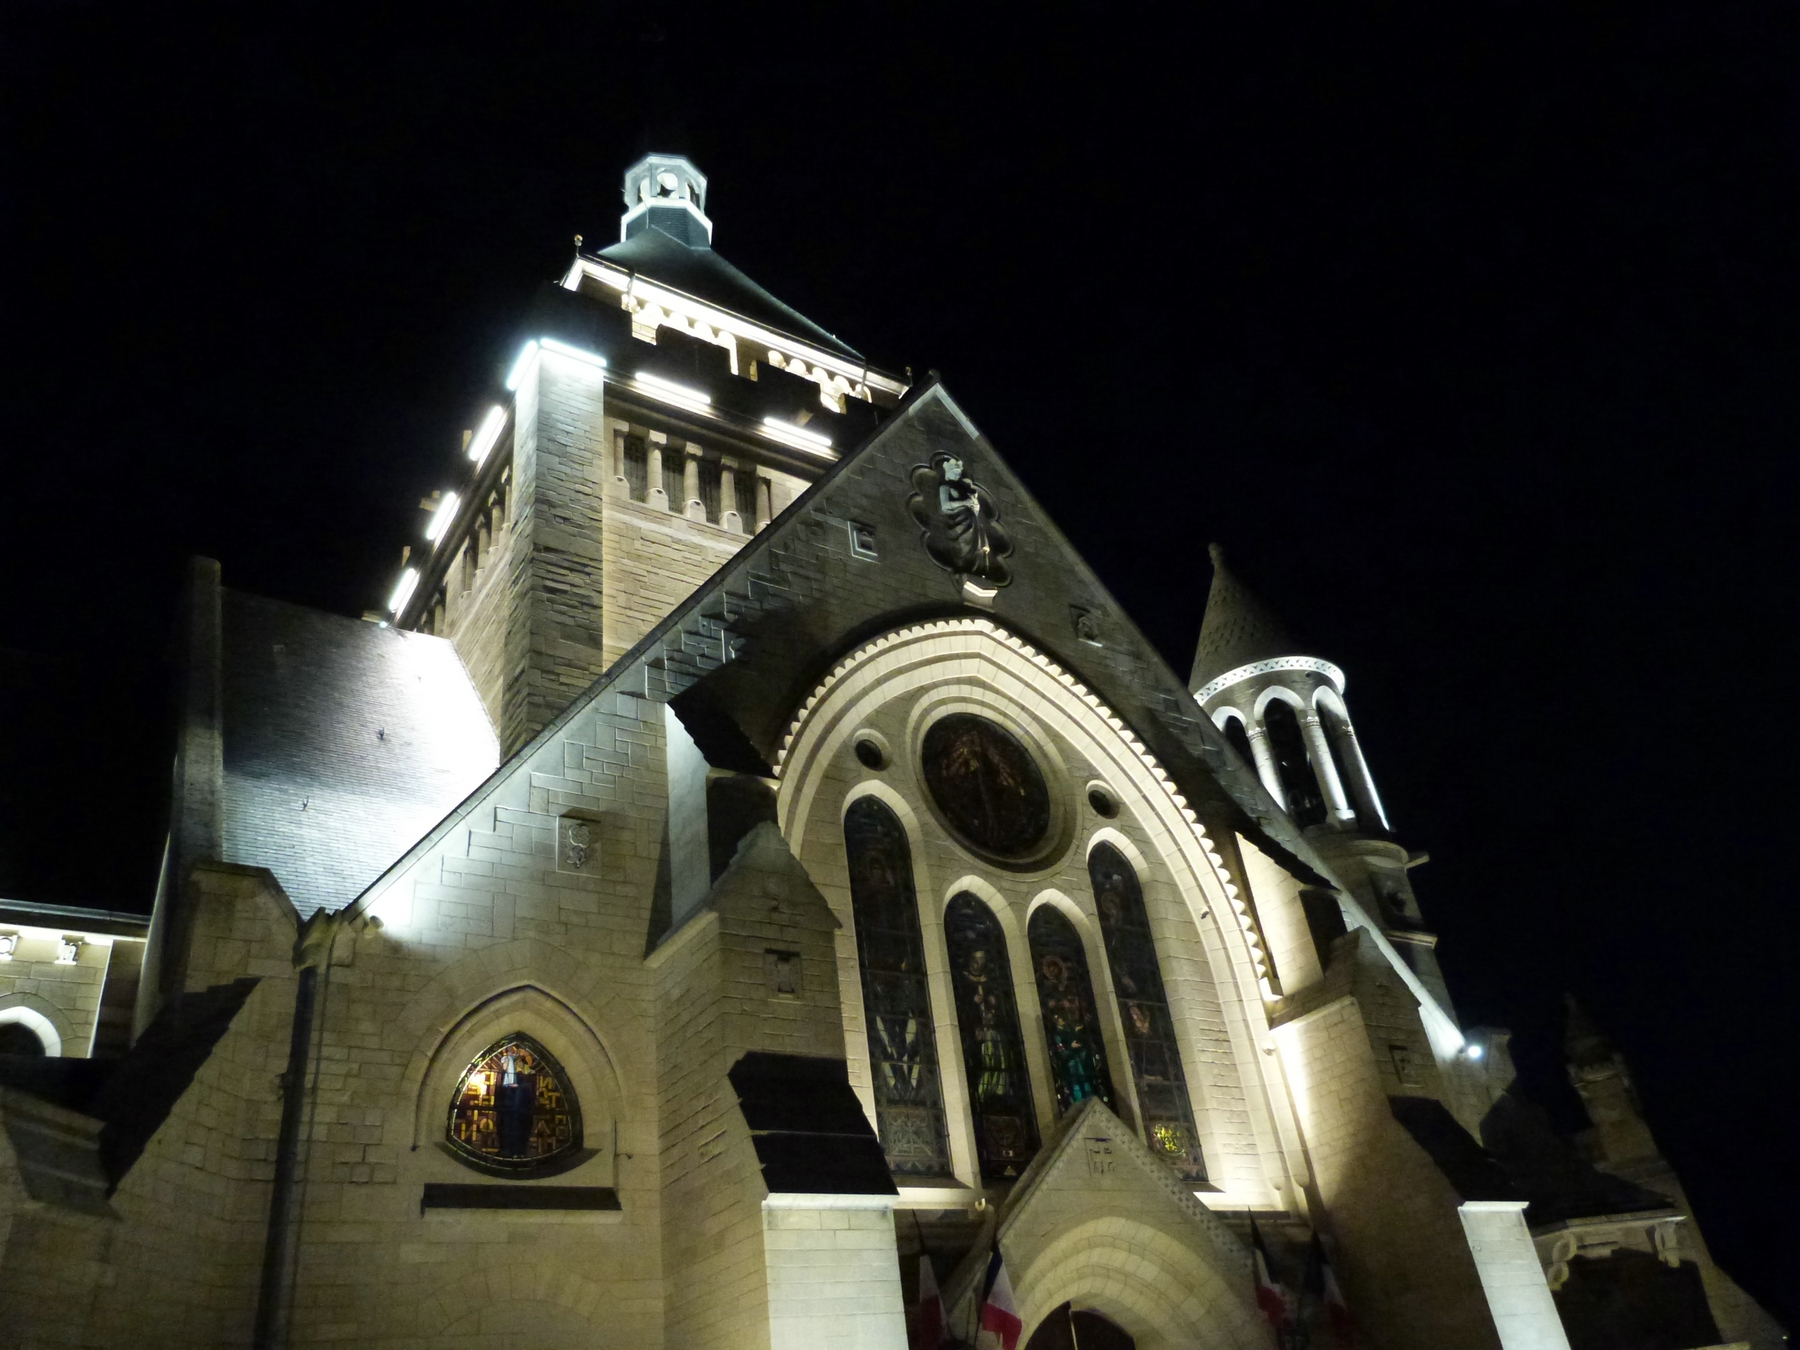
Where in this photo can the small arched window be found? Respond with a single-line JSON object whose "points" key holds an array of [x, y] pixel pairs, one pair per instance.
{"points": [[1305, 803], [1240, 740], [909, 1100], [1071, 1021], [1168, 1115], [993, 1050], [514, 1110]]}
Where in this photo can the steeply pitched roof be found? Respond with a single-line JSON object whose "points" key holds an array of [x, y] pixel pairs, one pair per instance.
{"points": [[1238, 628], [703, 274], [344, 742]]}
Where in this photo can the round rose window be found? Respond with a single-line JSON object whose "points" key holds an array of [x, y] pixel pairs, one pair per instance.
{"points": [[987, 785]]}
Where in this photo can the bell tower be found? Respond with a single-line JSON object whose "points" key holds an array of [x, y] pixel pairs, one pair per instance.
{"points": [[1283, 710]]}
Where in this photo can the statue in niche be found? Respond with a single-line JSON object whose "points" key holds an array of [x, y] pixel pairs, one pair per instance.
{"points": [[959, 522]]}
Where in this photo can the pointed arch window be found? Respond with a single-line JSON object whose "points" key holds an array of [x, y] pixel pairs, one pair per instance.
{"points": [[987, 1015], [1163, 1103], [909, 1099], [1071, 1020], [514, 1110]]}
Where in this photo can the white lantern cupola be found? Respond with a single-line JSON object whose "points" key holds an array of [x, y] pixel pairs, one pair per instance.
{"points": [[668, 193]]}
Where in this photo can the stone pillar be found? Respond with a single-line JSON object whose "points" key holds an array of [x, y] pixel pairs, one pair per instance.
{"points": [[764, 511], [1362, 782], [692, 507], [654, 495], [1318, 749], [1518, 1295], [728, 512], [833, 1279], [618, 486], [1266, 768]]}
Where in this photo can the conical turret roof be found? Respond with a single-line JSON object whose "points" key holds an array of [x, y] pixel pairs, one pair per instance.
{"points": [[1238, 628]]}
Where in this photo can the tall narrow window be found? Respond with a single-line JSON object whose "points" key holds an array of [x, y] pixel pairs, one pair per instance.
{"points": [[1071, 1021], [1168, 1115], [514, 1110], [909, 1100], [993, 1050], [637, 468], [709, 488], [745, 505], [1305, 803]]}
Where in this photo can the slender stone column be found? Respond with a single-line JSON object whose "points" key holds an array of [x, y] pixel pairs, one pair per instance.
{"points": [[1362, 782], [728, 512], [764, 509], [654, 494], [1318, 749], [1266, 768], [692, 507]]}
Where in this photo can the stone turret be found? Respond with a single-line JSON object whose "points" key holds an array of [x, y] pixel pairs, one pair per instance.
{"points": [[1600, 1075]]}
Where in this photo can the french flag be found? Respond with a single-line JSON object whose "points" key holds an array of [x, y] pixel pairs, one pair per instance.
{"points": [[928, 1329], [1271, 1297], [1000, 1324]]}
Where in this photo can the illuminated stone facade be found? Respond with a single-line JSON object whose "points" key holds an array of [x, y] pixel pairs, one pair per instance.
{"points": [[526, 971]]}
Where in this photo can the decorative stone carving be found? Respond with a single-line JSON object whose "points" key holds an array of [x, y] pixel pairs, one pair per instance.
{"points": [[959, 524], [578, 844]]}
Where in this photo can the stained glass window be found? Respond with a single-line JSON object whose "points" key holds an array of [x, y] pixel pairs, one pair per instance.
{"points": [[993, 1051], [986, 784], [909, 1099], [514, 1110], [1071, 1021], [1168, 1115]]}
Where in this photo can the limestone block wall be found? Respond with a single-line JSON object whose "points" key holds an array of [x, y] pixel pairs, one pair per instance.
{"points": [[496, 929], [41, 990], [654, 559], [475, 620], [833, 1276], [1401, 1254]]}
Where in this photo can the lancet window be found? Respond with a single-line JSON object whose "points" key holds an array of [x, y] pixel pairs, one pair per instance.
{"points": [[909, 1100], [1071, 1020], [514, 1110], [993, 1050], [1167, 1114]]}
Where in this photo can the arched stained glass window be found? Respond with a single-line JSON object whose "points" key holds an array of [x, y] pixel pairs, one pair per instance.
{"points": [[1168, 1115], [987, 1015], [514, 1110], [1071, 1021], [909, 1099]]}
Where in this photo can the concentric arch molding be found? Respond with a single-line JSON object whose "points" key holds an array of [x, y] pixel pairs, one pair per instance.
{"points": [[988, 629], [1311, 664]]}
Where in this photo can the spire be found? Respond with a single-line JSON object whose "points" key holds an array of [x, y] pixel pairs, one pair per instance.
{"points": [[1238, 628]]}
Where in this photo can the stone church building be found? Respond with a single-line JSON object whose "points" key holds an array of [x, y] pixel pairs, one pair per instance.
{"points": [[754, 869]]}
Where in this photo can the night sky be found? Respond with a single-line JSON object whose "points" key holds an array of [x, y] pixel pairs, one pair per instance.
{"points": [[1473, 332]]}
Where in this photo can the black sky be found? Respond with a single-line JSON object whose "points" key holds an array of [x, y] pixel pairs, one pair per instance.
{"points": [[1473, 332]]}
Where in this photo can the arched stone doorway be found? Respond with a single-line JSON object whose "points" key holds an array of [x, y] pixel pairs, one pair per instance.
{"points": [[1067, 1328]]}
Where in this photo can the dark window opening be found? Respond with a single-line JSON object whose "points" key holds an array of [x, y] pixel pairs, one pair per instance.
{"points": [[746, 496], [710, 478], [1305, 805], [637, 468], [1240, 740], [674, 483]]}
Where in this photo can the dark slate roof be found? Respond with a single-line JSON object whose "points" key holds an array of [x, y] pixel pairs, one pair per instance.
{"points": [[344, 743], [1238, 628], [810, 1132], [1471, 1171], [703, 274]]}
